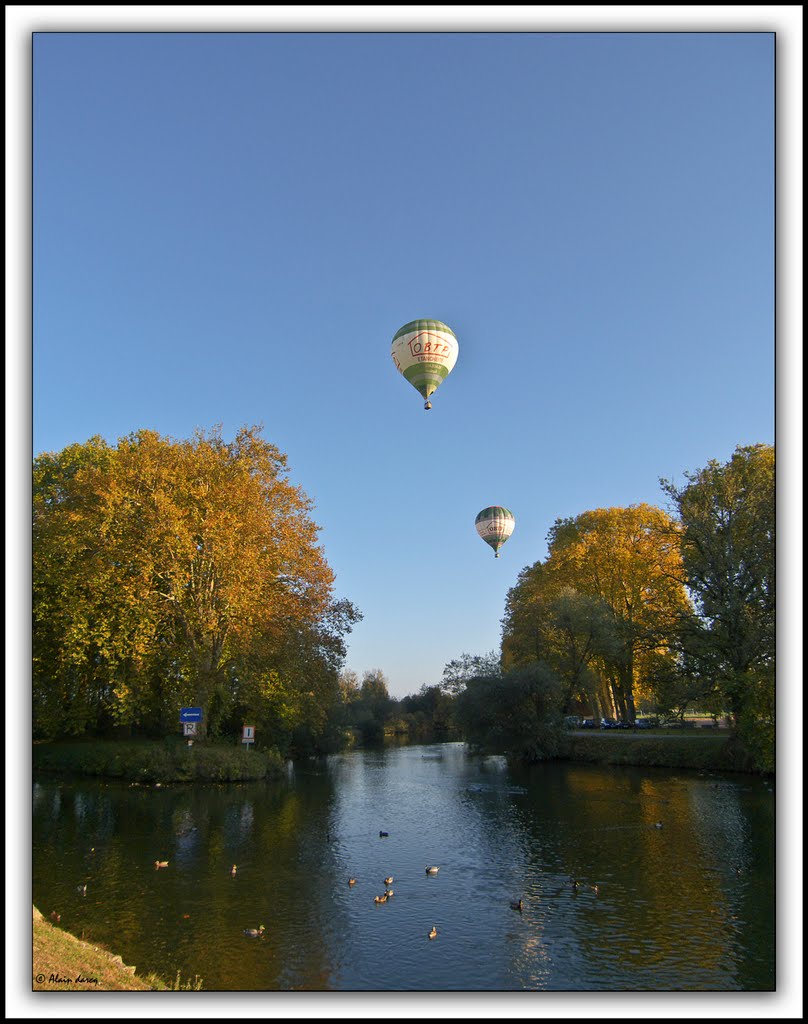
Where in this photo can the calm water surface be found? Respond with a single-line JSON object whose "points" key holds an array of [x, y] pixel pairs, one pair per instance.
{"points": [[689, 906]]}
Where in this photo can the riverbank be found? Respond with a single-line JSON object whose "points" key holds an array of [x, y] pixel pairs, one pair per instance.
{"points": [[154, 762], [705, 751], [63, 963]]}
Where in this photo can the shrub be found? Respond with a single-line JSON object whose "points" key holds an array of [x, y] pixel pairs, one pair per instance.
{"points": [[154, 761]]}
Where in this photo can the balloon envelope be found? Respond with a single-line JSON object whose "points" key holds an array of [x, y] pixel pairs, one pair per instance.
{"points": [[424, 352], [495, 524]]}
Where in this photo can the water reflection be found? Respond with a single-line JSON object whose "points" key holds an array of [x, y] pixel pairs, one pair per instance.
{"points": [[611, 902]]}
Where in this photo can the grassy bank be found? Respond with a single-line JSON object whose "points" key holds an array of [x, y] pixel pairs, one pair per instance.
{"points": [[63, 963], [158, 761], [714, 751]]}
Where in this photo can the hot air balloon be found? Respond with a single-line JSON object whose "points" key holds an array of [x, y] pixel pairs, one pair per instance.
{"points": [[424, 352], [495, 524]]}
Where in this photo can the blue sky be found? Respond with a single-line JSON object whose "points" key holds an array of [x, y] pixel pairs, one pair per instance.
{"points": [[230, 228]]}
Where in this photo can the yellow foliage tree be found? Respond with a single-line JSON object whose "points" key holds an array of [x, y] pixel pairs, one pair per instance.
{"points": [[164, 570], [608, 596]]}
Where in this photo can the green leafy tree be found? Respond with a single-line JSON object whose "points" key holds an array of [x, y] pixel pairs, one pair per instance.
{"points": [[516, 713], [582, 645], [727, 517], [459, 671]]}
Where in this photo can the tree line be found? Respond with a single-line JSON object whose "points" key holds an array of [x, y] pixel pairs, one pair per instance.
{"points": [[633, 611], [170, 573]]}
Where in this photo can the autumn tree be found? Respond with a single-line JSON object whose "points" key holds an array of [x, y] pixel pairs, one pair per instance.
{"points": [[608, 595], [176, 572]]}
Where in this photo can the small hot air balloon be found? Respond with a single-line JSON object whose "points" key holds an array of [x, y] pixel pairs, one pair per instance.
{"points": [[424, 352], [495, 524]]}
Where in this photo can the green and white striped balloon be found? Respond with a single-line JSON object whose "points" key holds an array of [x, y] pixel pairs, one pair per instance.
{"points": [[424, 352], [495, 524]]}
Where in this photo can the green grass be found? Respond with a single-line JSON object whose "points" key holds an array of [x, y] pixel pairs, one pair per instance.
{"points": [[153, 761]]}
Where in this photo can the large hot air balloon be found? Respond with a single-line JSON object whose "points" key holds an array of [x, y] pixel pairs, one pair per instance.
{"points": [[495, 524], [425, 351]]}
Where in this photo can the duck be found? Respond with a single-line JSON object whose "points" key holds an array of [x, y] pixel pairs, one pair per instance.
{"points": [[389, 892], [595, 889], [433, 933], [432, 871], [82, 889], [380, 899], [351, 881], [56, 918], [255, 933], [383, 835], [516, 905], [388, 880], [659, 824], [160, 864], [233, 871], [576, 884]]}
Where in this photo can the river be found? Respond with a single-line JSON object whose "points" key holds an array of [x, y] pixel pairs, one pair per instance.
{"points": [[674, 871]]}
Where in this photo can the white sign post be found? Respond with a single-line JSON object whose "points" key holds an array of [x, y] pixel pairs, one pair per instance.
{"points": [[247, 735]]}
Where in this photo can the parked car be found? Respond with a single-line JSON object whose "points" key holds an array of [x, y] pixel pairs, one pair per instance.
{"points": [[608, 723], [588, 723], [643, 723], [573, 721]]}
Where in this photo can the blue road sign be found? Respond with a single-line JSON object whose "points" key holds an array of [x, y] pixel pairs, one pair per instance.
{"points": [[190, 714]]}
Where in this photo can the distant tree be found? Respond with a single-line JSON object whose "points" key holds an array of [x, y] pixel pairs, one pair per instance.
{"points": [[373, 708], [459, 671], [349, 686], [430, 712], [374, 691]]}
